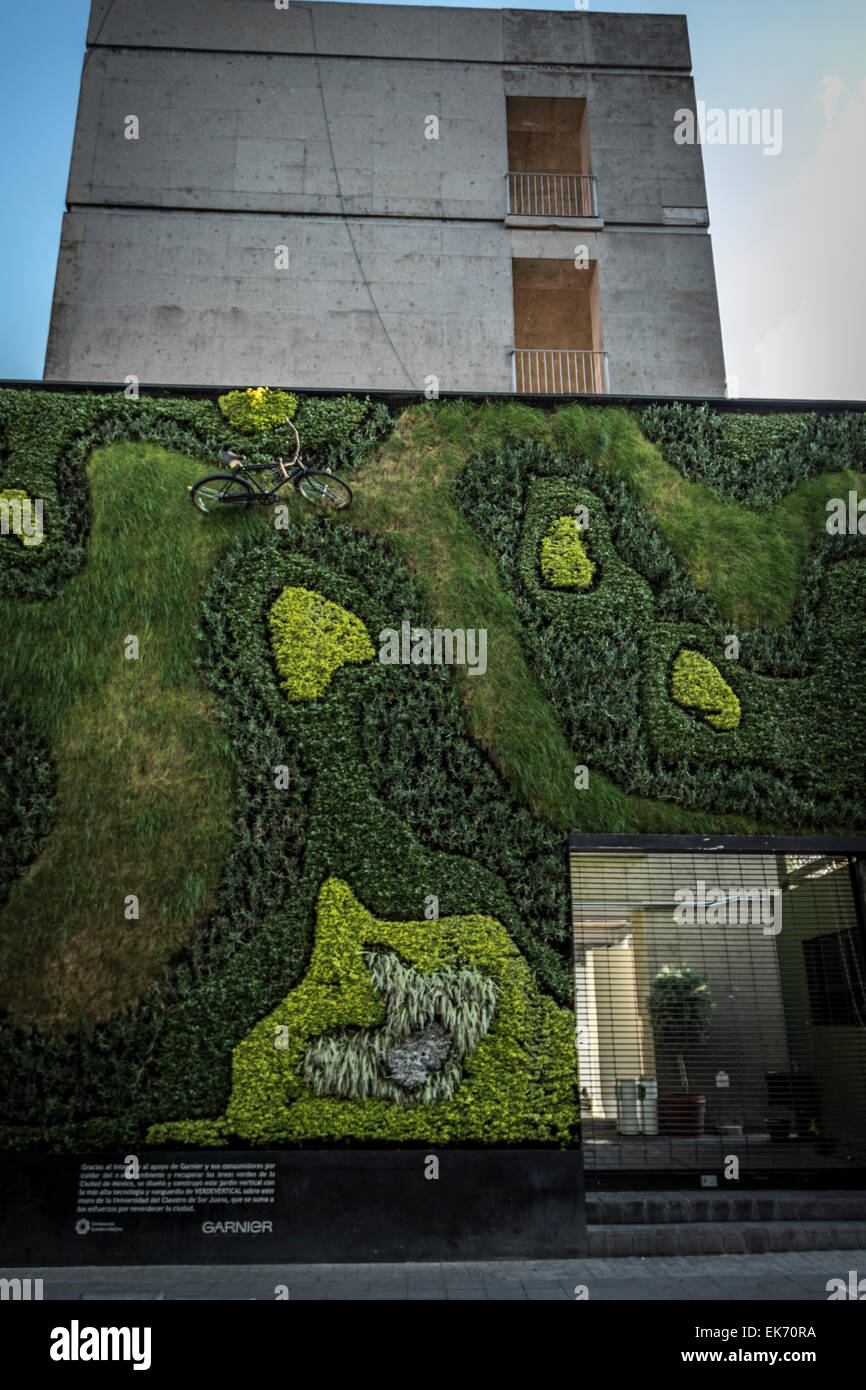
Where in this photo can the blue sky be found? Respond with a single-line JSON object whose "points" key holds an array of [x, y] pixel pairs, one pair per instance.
{"points": [[787, 230]]}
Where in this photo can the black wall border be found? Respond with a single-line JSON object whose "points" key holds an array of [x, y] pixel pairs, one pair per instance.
{"points": [[401, 398]]}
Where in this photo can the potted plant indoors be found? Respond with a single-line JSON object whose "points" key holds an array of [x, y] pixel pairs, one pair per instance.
{"points": [[680, 1008]]}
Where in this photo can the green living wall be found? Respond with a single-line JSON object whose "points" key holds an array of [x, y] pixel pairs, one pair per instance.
{"points": [[260, 887]]}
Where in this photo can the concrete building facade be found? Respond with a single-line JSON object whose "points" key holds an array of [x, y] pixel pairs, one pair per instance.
{"points": [[376, 196]]}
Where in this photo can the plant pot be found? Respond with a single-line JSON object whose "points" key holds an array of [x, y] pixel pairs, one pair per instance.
{"points": [[684, 1114]]}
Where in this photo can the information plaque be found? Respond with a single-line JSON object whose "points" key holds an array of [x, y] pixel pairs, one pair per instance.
{"points": [[273, 1206]]}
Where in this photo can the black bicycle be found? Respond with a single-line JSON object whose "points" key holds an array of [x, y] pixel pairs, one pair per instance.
{"points": [[241, 489]]}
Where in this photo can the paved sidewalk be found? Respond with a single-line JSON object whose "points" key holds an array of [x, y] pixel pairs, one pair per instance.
{"points": [[800, 1276]]}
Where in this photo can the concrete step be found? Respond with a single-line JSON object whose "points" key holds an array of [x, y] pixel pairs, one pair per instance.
{"points": [[680, 1208], [725, 1238]]}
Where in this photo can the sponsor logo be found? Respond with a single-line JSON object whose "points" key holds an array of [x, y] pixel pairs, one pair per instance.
{"points": [[237, 1228]]}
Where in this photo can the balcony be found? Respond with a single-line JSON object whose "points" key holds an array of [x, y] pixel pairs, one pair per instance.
{"points": [[560, 371], [561, 197]]}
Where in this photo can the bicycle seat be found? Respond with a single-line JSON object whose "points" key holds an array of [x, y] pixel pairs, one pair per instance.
{"points": [[230, 458]]}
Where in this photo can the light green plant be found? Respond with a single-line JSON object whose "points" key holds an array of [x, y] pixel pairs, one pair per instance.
{"points": [[698, 686], [564, 561], [518, 1082], [312, 638]]}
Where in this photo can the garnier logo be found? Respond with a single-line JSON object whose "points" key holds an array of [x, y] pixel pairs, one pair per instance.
{"points": [[76, 1343], [237, 1228]]}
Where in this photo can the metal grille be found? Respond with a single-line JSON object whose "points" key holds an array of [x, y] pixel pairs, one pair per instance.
{"points": [[560, 371], [551, 195], [720, 1009]]}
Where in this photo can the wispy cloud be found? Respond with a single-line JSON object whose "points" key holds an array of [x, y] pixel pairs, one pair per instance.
{"points": [[829, 92], [800, 327]]}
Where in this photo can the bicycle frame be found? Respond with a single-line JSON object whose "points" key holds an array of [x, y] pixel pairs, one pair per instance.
{"points": [[267, 494], [290, 471]]}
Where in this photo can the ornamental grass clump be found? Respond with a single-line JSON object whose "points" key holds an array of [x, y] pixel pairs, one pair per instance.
{"points": [[433, 1022], [312, 638], [564, 561], [699, 687]]}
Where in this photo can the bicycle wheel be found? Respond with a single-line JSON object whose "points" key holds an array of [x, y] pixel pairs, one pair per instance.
{"points": [[217, 490], [324, 490]]}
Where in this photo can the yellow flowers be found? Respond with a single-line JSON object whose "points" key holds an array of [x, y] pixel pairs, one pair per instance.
{"points": [[258, 408], [699, 687], [564, 561]]}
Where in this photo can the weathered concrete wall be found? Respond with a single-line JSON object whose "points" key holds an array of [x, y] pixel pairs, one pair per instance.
{"points": [[167, 252], [395, 31], [194, 297], [248, 133]]}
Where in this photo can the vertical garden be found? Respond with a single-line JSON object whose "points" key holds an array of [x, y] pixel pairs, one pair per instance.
{"points": [[260, 887]]}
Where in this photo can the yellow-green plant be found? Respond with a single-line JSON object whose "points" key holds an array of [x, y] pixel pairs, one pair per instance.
{"points": [[258, 408], [698, 686], [312, 638], [564, 561], [517, 1079]]}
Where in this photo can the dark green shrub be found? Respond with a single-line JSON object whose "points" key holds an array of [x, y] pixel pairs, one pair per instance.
{"points": [[340, 431], [754, 459]]}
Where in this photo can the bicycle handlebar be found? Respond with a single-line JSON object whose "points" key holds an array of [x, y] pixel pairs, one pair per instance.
{"points": [[281, 461]]}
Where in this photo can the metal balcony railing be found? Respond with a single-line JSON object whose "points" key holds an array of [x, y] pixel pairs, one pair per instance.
{"points": [[551, 195], [560, 371]]}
